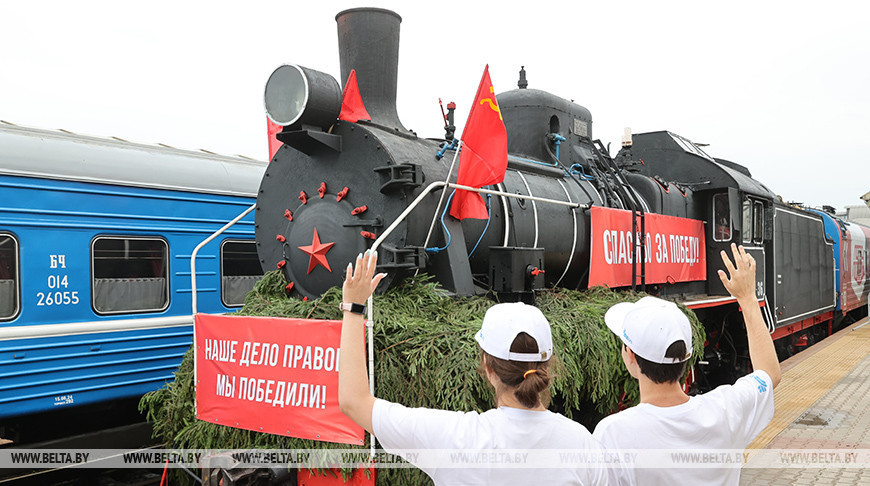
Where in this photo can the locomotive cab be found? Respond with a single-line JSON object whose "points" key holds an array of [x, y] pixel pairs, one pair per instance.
{"points": [[718, 190], [741, 218]]}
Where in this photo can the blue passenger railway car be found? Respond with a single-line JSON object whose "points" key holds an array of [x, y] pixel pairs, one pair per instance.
{"points": [[96, 237]]}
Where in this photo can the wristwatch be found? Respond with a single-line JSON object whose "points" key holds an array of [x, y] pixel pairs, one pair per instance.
{"points": [[353, 307]]}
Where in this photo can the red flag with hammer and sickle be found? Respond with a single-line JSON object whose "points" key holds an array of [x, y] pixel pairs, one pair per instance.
{"points": [[483, 157]]}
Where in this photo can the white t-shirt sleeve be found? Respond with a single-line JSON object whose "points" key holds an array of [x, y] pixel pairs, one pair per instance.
{"points": [[604, 434], [750, 406], [400, 427], [601, 433]]}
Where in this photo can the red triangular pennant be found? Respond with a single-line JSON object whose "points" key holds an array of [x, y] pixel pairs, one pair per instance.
{"points": [[352, 108], [273, 129]]}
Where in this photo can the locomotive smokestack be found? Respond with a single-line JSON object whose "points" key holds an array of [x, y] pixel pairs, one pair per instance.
{"points": [[368, 41]]}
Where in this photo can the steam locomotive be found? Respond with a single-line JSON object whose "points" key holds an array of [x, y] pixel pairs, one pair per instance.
{"points": [[652, 217]]}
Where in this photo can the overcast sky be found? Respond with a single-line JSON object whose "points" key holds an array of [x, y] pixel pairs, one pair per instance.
{"points": [[780, 87]]}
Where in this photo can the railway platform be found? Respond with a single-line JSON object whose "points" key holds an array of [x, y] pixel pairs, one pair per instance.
{"points": [[822, 404]]}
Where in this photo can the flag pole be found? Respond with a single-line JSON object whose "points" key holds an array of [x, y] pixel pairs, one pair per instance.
{"points": [[443, 195]]}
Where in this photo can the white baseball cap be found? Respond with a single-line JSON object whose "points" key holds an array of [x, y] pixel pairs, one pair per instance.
{"points": [[649, 326], [503, 322]]}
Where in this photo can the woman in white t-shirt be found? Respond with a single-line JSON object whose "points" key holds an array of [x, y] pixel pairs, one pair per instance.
{"points": [[520, 442]]}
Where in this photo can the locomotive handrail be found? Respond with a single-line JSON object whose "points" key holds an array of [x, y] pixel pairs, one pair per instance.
{"points": [[193, 270], [431, 187], [451, 185], [515, 196], [443, 194], [573, 243], [534, 207], [202, 244]]}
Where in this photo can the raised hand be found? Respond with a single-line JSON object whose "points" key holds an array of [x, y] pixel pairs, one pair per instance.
{"points": [[740, 280], [361, 282]]}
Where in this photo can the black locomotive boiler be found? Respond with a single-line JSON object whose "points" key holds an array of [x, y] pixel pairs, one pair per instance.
{"points": [[384, 166], [335, 187]]}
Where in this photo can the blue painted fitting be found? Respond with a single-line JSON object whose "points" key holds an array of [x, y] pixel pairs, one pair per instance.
{"points": [[446, 147], [577, 169], [557, 139]]}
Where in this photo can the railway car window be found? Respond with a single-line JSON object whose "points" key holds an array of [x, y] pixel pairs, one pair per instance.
{"points": [[240, 270], [8, 277], [758, 222], [129, 274], [746, 231], [721, 218]]}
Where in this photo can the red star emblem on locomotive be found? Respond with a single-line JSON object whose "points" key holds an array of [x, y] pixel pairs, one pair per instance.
{"points": [[317, 252]]}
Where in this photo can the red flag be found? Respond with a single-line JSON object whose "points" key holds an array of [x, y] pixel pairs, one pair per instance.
{"points": [[273, 129], [483, 157], [352, 108]]}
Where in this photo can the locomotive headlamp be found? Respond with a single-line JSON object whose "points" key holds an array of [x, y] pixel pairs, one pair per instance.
{"points": [[296, 95], [626, 137]]}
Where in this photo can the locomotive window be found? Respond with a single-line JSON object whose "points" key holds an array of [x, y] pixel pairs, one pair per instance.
{"points": [[8, 277], [554, 124], [240, 270], [758, 222], [746, 231], [721, 218], [129, 274]]}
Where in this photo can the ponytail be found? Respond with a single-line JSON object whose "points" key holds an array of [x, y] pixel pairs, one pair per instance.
{"points": [[530, 381], [529, 390]]}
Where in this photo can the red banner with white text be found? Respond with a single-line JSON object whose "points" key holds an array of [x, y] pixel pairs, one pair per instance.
{"points": [[675, 249], [273, 375]]}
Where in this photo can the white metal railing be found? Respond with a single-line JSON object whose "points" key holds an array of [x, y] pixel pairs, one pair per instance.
{"points": [[193, 277], [202, 244], [431, 187]]}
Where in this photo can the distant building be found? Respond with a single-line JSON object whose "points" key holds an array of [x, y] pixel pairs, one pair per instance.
{"points": [[857, 214]]}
